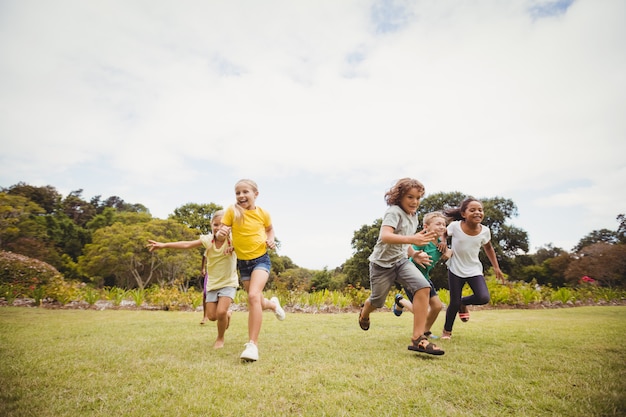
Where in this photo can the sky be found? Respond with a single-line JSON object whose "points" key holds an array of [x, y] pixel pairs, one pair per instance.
{"points": [[325, 104]]}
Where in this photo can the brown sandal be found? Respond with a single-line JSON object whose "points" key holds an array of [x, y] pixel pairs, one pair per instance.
{"points": [[424, 346], [364, 323]]}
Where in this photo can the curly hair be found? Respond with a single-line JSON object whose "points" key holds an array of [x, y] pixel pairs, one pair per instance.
{"points": [[403, 186]]}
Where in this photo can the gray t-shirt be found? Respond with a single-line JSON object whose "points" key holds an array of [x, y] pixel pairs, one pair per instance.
{"points": [[386, 254]]}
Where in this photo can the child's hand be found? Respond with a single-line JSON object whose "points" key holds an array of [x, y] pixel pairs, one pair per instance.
{"points": [[422, 259], [442, 247], [499, 275], [223, 232], [153, 244], [424, 237], [270, 244]]}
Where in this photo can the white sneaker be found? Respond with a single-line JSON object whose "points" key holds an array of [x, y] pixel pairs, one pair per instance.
{"points": [[250, 353], [280, 313]]}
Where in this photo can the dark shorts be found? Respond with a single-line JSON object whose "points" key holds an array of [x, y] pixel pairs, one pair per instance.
{"points": [[433, 291]]}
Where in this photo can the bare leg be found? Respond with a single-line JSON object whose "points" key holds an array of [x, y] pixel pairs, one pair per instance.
{"points": [[256, 302], [435, 308], [367, 309], [205, 316], [223, 320], [420, 311]]}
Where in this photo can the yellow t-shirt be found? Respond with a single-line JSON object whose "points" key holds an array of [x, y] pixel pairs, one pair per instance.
{"points": [[249, 237], [221, 267]]}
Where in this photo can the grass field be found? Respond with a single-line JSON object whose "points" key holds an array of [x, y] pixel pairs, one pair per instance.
{"points": [[560, 362]]}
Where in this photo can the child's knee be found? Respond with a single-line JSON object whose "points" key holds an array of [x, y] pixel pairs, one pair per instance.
{"points": [[435, 304], [483, 299]]}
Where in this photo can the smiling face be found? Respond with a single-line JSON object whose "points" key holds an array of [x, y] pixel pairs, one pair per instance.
{"points": [[473, 213], [437, 225], [246, 195], [410, 202]]}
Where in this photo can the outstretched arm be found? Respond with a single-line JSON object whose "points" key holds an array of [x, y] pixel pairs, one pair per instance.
{"points": [[183, 244]]}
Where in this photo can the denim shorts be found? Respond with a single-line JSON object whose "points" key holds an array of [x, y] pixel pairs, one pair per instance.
{"points": [[246, 267], [212, 296]]}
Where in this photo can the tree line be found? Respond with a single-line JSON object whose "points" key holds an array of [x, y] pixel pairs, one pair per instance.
{"points": [[102, 242]]}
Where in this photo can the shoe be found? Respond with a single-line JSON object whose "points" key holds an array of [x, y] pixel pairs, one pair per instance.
{"points": [[430, 335], [446, 335], [424, 346], [397, 307], [250, 353], [280, 313], [364, 323], [464, 314]]}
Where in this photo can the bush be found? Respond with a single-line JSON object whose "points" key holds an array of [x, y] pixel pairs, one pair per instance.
{"points": [[21, 276]]}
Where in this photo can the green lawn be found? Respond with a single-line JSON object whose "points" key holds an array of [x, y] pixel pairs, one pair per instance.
{"points": [[561, 362]]}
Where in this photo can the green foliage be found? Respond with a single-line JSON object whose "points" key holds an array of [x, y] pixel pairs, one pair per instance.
{"points": [[165, 297], [115, 294], [562, 295], [63, 291], [196, 216], [119, 251], [603, 262], [90, 294], [21, 276], [363, 242], [138, 295], [296, 279]]}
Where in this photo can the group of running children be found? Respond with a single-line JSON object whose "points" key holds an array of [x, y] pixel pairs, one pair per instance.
{"points": [[243, 233]]}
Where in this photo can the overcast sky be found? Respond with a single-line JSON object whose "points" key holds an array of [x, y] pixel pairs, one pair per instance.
{"points": [[325, 104]]}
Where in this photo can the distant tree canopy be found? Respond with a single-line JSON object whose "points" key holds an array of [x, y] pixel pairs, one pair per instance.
{"points": [[103, 241], [196, 216]]}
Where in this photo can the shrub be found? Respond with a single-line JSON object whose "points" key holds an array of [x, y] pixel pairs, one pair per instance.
{"points": [[63, 291], [21, 276]]}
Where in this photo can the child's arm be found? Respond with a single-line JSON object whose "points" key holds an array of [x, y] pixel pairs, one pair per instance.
{"points": [[421, 238], [443, 245], [270, 242], [491, 254], [183, 244]]}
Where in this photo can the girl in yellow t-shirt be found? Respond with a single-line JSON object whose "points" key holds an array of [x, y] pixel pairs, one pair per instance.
{"points": [[253, 234]]}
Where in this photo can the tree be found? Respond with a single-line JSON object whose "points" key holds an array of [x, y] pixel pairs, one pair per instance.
{"points": [[196, 216], [597, 236], [547, 252], [321, 280], [46, 197], [363, 242], [118, 253], [556, 269], [621, 229], [19, 218], [604, 262], [77, 209]]}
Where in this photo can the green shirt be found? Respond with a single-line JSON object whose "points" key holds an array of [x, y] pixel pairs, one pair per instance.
{"points": [[433, 252]]}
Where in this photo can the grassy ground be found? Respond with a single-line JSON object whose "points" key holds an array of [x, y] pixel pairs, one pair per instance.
{"points": [[561, 362]]}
